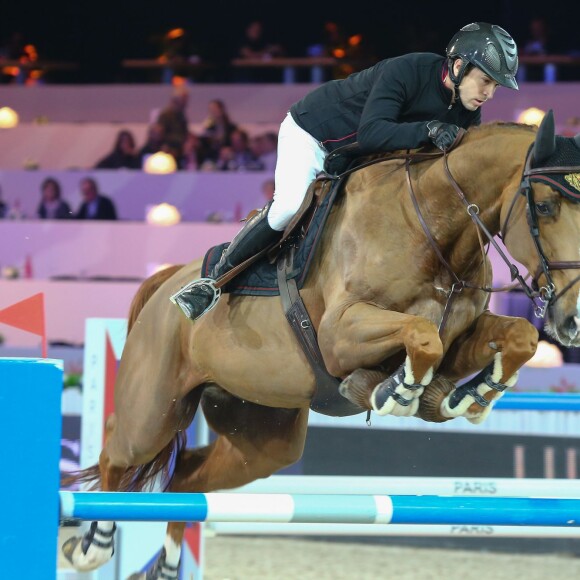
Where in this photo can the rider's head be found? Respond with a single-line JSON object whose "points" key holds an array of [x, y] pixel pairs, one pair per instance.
{"points": [[486, 47]]}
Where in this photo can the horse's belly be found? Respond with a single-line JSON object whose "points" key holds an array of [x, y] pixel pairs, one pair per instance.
{"points": [[275, 379], [249, 350]]}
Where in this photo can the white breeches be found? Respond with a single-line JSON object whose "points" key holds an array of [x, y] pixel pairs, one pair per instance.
{"points": [[300, 159]]}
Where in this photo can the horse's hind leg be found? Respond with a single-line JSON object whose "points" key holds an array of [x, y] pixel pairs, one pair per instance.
{"points": [[134, 448], [252, 442], [96, 546]]}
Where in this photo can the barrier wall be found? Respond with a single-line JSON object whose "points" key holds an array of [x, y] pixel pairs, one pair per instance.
{"points": [[247, 103], [30, 391], [199, 197], [92, 269]]}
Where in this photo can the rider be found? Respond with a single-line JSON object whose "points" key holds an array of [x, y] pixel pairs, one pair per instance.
{"points": [[399, 103]]}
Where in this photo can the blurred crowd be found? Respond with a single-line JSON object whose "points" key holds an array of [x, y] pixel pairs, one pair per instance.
{"points": [[190, 51], [221, 145]]}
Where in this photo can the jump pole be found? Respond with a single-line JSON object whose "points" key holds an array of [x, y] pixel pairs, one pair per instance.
{"points": [[30, 419], [320, 508]]}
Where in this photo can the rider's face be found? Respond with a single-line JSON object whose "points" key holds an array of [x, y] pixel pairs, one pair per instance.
{"points": [[475, 89]]}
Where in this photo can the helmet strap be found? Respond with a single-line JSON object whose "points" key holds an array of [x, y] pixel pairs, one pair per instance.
{"points": [[456, 79]]}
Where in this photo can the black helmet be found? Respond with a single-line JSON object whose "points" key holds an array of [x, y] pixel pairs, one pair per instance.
{"points": [[488, 47]]}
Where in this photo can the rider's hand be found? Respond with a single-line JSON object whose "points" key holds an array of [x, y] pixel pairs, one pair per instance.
{"points": [[442, 134]]}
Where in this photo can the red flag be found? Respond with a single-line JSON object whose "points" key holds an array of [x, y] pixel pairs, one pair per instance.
{"points": [[28, 315]]}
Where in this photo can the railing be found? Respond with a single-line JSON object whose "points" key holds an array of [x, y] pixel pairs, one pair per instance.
{"points": [[550, 64]]}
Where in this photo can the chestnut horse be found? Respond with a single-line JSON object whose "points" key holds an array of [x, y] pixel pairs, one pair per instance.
{"points": [[398, 294]]}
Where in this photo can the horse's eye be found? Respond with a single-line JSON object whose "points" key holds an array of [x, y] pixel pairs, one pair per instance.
{"points": [[544, 208]]}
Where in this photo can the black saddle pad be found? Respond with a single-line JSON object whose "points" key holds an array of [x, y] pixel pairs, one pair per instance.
{"points": [[260, 279]]}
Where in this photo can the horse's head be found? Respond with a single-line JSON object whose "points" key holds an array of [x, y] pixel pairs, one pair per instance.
{"points": [[547, 241]]}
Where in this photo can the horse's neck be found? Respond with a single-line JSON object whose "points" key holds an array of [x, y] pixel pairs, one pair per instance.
{"points": [[483, 170]]}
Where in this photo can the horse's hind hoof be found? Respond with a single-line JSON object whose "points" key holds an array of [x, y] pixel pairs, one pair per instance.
{"points": [[69, 546], [358, 386], [431, 400], [72, 550]]}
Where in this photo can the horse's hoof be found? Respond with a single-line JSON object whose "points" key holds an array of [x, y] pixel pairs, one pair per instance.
{"points": [[431, 400], [475, 399], [69, 546], [357, 387], [72, 550], [395, 397]]}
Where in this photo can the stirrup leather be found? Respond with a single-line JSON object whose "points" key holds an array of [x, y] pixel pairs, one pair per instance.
{"points": [[208, 282]]}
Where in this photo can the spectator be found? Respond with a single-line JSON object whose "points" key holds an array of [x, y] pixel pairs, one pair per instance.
{"points": [[255, 45], [195, 154], [539, 43], [124, 153], [238, 156], [218, 127], [95, 206], [174, 120], [154, 143], [268, 150], [52, 206], [3, 207], [539, 38]]}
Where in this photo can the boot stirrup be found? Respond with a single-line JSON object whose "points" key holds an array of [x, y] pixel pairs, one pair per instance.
{"points": [[210, 282]]}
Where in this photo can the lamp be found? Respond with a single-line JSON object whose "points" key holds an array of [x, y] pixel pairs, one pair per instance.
{"points": [[8, 118], [531, 116], [160, 163], [163, 214]]}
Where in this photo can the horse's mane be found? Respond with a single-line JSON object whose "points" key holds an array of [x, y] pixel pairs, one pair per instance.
{"points": [[146, 290], [485, 127]]}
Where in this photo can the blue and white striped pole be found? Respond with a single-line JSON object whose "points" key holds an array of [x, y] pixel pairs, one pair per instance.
{"points": [[319, 508]]}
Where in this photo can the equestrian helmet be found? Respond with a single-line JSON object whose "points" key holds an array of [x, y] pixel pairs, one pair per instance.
{"points": [[488, 47]]}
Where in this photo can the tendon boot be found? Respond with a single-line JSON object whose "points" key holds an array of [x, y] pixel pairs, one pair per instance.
{"points": [[201, 295]]}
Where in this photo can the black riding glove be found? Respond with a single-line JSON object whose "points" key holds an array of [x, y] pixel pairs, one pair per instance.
{"points": [[442, 134]]}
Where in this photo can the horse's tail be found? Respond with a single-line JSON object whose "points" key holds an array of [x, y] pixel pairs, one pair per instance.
{"points": [[140, 477], [146, 290], [137, 478]]}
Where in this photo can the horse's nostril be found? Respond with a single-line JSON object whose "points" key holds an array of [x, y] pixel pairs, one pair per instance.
{"points": [[573, 325]]}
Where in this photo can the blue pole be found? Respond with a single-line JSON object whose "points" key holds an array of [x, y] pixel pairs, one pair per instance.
{"points": [[313, 508], [539, 402], [30, 419]]}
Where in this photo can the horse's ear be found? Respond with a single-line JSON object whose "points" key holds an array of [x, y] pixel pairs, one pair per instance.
{"points": [[545, 144]]}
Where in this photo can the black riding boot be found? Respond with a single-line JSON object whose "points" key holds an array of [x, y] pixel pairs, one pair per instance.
{"points": [[200, 295]]}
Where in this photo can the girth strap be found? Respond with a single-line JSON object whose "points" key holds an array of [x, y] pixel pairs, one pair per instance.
{"points": [[326, 400]]}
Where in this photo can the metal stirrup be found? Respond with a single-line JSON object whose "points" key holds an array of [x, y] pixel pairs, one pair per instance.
{"points": [[209, 282]]}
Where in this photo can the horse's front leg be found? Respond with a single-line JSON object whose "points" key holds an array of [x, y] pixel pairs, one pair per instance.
{"points": [[356, 339], [500, 345]]}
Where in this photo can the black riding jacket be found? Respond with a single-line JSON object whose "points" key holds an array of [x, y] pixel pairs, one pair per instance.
{"points": [[385, 107]]}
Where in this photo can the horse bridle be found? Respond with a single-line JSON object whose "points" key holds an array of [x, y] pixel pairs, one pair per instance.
{"points": [[546, 294]]}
